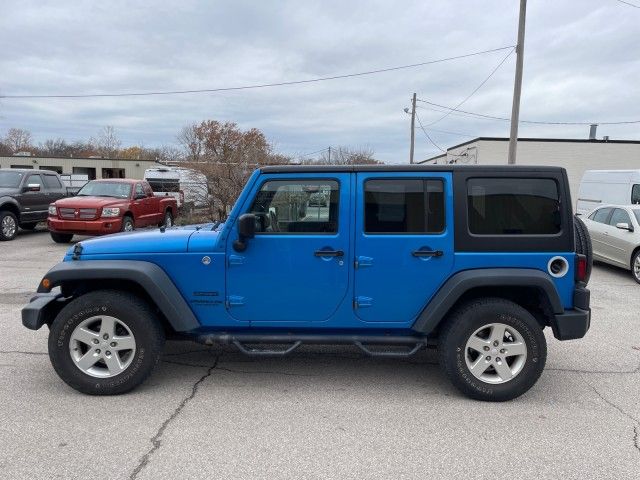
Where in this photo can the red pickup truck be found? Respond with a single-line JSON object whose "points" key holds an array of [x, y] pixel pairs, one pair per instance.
{"points": [[109, 206]]}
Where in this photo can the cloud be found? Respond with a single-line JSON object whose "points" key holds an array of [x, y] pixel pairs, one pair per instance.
{"points": [[580, 65]]}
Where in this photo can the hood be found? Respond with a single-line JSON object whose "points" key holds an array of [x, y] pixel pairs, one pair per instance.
{"points": [[90, 202], [172, 240]]}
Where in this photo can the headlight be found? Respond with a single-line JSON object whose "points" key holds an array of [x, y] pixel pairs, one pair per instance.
{"points": [[52, 210], [111, 212]]}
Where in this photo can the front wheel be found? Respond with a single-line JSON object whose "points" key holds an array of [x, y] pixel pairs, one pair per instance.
{"points": [[635, 266], [105, 342], [8, 226], [127, 224], [492, 349], [61, 237]]}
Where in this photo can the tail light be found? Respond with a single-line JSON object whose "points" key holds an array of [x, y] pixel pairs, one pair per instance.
{"points": [[581, 268]]}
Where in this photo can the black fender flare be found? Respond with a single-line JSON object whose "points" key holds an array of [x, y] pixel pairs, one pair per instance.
{"points": [[147, 275], [462, 282], [7, 200]]}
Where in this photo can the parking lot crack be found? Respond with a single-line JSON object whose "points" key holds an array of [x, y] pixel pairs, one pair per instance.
{"points": [[22, 352], [156, 440]]}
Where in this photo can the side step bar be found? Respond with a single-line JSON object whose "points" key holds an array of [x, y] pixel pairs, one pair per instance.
{"points": [[291, 342]]}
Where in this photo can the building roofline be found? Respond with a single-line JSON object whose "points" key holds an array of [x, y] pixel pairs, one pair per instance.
{"points": [[550, 140], [37, 157]]}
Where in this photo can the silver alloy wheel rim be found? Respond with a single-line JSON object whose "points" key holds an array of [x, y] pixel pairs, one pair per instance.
{"points": [[128, 226], [102, 346], [636, 267], [8, 226], [167, 220], [495, 353]]}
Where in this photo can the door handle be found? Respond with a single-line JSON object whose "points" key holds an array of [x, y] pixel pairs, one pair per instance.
{"points": [[427, 253], [329, 253]]}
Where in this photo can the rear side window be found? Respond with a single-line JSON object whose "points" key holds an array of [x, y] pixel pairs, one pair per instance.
{"points": [[513, 206], [52, 182], [635, 195], [619, 216], [600, 215], [410, 206]]}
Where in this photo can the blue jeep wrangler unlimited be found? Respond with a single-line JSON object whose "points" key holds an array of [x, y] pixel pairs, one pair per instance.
{"points": [[474, 260]]}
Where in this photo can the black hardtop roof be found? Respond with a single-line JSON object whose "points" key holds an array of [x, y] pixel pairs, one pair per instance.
{"points": [[407, 168]]}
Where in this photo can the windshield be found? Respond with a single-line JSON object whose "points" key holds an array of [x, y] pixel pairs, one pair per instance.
{"points": [[10, 179], [106, 189]]}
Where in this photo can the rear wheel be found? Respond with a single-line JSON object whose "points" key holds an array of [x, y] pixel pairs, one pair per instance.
{"points": [[168, 219], [61, 237], [492, 349], [583, 244], [8, 226], [127, 224], [105, 342]]}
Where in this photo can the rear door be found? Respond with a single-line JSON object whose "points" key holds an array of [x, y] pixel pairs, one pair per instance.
{"points": [[597, 225], [53, 186], [403, 244]]}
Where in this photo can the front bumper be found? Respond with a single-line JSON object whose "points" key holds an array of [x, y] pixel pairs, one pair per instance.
{"points": [[41, 308], [101, 226], [574, 323]]}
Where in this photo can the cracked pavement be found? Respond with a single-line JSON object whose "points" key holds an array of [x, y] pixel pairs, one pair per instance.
{"points": [[322, 412]]}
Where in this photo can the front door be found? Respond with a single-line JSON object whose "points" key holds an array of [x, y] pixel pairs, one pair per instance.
{"points": [[295, 270], [404, 244], [35, 204]]}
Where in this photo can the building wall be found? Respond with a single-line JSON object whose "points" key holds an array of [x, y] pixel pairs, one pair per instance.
{"points": [[132, 168], [576, 157]]}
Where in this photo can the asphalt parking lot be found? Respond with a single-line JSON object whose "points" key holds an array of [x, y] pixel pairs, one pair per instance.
{"points": [[321, 412]]}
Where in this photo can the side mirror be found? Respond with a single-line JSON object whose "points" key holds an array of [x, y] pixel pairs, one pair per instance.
{"points": [[32, 187], [246, 230], [624, 226]]}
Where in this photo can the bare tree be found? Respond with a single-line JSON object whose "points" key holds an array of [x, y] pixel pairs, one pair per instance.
{"points": [[54, 147], [344, 156], [106, 143], [191, 142], [18, 140]]}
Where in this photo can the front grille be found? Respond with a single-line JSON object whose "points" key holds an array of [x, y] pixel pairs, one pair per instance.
{"points": [[88, 213], [67, 212], [83, 213]]}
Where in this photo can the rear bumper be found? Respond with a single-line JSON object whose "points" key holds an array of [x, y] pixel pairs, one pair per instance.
{"points": [[574, 323], [101, 226], [38, 310]]}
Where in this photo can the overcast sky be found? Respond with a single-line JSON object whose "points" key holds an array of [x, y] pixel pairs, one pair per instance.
{"points": [[582, 63]]}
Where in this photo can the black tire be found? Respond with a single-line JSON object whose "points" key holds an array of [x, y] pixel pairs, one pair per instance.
{"points": [[8, 226], [167, 221], [127, 220], [634, 257], [28, 226], [470, 317], [61, 237], [139, 318], [583, 244]]}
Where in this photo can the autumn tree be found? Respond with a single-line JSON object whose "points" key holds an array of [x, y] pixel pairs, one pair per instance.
{"points": [[226, 155], [18, 140], [106, 143]]}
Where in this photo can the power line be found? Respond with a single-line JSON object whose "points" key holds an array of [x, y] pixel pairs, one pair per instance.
{"points": [[534, 122], [448, 132], [427, 135], [628, 3], [474, 90], [263, 85], [313, 153]]}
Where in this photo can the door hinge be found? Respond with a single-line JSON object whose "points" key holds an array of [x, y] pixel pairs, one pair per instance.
{"points": [[362, 302], [362, 261], [234, 301], [236, 259]]}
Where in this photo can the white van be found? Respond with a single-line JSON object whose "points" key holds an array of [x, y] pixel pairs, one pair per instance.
{"points": [[189, 187], [618, 187]]}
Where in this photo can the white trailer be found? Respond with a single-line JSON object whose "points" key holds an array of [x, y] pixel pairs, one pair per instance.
{"points": [[189, 187], [598, 187]]}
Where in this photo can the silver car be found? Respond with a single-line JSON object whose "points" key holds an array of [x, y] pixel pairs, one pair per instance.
{"points": [[615, 235]]}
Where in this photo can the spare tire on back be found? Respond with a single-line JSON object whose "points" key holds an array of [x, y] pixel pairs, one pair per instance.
{"points": [[583, 243]]}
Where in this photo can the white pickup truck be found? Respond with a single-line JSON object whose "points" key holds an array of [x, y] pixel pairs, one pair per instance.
{"points": [[189, 187]]}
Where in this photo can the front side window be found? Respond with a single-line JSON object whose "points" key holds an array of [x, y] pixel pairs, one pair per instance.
{"points": [[140, 191], [600, 215], [297, 206], [619, 216], [513, 206], [403, 206], [34, 180]]}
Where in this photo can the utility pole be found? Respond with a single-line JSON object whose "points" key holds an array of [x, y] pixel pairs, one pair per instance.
{"points": [[329, 155], [517, 86], [413, 127]]}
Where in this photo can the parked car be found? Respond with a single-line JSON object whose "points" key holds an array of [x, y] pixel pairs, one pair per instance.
{"points": [[475, 260], [189, 187], [109, 206], [615, 235], [25, 196], [606, 187]]}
